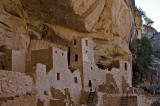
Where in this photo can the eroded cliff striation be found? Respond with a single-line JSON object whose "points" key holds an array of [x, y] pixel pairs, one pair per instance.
{"points": [[71, 48], [33, 24]]}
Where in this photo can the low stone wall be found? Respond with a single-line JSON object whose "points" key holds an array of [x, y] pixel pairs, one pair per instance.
{"points": [[144, 100], [57, 103], [116, 101], [24, 100]]}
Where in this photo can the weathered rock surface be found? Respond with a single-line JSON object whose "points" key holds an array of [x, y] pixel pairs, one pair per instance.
{"points": [[24, 100], [149, 31], [155, 40], [14, 83], [34, 24]]}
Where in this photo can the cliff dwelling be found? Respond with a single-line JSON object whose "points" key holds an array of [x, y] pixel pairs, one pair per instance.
{"points": [[51, 68], [71, 53]]}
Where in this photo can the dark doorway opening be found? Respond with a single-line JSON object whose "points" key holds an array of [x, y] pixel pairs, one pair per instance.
{"points": [[69, 56], [75, 80], [90, 83], [76, 57], [75, 42], [3, 67], [58, 76], [125, 66]]}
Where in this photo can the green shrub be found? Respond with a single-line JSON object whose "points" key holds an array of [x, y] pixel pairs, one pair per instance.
{"points": [[142, 60]]}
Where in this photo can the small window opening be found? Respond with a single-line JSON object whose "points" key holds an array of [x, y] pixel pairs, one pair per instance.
{"points": [[125, 66], [76, 57], [86, 42], [75, 80], [110, 68], [86, 51], [45, 92], [91, 68], [43, 36], [58, 76], [55, 51], [62, 54], [75, 42]]}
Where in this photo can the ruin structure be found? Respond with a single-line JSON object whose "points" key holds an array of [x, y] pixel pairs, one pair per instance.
{"points": [[69, 77], [69, 53], [12, 59]]}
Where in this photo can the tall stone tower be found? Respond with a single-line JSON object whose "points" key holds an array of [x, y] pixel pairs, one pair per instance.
{"points": [[82, 56]]}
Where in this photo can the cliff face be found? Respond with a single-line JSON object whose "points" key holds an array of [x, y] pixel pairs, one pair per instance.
{"points": [[149, 31], [155, 40], [35, 24]]}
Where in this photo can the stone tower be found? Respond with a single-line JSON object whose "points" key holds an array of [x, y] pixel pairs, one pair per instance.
{"points": [[82, 57], [11, 59]]}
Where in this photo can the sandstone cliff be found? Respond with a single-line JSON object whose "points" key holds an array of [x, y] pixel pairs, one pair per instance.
{"points": [[35, 24], [149, 31], [39, 24]]}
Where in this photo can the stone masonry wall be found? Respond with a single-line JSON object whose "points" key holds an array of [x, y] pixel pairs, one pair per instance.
{"points": [[12, 60], [47, 80], [18, 60], [6, 60], [24, 100], [116, 101]]}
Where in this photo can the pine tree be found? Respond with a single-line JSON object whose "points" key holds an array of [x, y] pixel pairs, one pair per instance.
{"points": [[142, 60]]}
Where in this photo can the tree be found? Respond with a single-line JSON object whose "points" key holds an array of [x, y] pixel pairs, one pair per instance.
{"points": [[142, 13], [142, 60], [148, 21]]}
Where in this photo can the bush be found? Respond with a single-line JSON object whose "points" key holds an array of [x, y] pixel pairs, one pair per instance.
{"points": [[148, 21]]}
